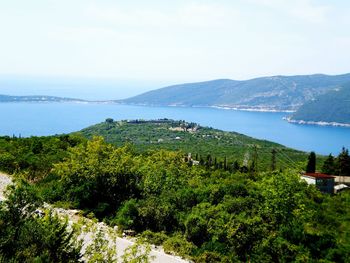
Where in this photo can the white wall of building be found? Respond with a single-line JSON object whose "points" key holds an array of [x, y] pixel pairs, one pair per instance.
{"points": [[309, 180]]}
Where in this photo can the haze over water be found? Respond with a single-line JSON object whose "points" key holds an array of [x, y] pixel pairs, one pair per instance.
{"points": [[28, 119]]}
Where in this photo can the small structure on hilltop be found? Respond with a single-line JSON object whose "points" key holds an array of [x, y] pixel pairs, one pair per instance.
{"points": [[324, 182]]}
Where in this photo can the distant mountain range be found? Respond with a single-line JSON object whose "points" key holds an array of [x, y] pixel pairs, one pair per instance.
{"points": [[7, 98], [277, 93], [313, 98], [330, 108]]}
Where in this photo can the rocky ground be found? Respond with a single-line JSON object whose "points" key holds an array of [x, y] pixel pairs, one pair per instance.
{"points": [[90, 229], [4, 182]]}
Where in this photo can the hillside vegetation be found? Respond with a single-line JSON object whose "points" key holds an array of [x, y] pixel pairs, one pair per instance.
{"points": [[205, 144], [206, 214], [266, 93], [334, 106]]}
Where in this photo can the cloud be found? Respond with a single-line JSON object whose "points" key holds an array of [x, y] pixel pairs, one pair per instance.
{"points": [[82, 33], [305, 10], [189, 15]]}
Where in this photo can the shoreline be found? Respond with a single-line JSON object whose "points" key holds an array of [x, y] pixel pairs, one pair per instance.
{"points": [[111, 102], [237, 108], [319, 123], [251, 109]]}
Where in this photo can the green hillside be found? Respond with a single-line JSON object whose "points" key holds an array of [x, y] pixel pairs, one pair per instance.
{"points": [[203, 214], [198, 212], [333, 106], [266, 93], [197, 140]]}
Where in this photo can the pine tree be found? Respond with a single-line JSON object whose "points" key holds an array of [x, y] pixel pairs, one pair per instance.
{"points": [[343, 162], [311, 164]]}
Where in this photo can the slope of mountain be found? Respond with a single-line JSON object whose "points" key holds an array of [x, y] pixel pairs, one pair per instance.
{"points": [[193, 138], [281, 93], [37, 98], [332, 107]]}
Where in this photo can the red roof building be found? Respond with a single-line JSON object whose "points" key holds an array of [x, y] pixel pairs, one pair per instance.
{"points": [[319, 175], [324, 182]]}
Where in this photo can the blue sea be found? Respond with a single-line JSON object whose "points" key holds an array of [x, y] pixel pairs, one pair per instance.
{"points": [[34, 119]]}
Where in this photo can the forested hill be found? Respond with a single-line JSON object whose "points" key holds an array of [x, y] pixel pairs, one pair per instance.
{"points": [[36, 98], [206, 213], [266, 93], [332, 107], [201, 142]]}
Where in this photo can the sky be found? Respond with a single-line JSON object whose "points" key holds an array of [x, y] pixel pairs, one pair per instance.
{"points": [[168, 42]]}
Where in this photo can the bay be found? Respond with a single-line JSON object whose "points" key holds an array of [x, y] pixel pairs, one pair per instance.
{"points": [[37, 119]]}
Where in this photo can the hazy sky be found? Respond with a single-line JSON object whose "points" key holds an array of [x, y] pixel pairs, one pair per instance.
{"points": [[174, 41]]}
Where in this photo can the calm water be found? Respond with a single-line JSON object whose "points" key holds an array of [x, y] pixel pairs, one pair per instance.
{"points": [[46, 119]]}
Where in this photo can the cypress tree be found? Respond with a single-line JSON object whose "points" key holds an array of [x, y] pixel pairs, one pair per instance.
{"points": [[209, 161], [273, 160], [201, 161], [311, 164]]}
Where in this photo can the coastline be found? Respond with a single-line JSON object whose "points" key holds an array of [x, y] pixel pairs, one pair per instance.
{"points": [[222, 107], [319, 123], [236, 108], [250, 109]]}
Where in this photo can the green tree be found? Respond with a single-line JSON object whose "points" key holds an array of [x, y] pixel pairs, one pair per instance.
{"points": [[137, 253], [196, 229], [235, 166], [311, 163], [25, 237], [99, 176], [329, 165], [343, 163], [273, 159]]}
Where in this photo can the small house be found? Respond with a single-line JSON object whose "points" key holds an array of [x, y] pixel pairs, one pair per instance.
{"points": [[324, 182]]}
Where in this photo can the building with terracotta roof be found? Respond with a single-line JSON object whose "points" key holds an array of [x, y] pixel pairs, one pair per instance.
{"points": [[324, 182]]}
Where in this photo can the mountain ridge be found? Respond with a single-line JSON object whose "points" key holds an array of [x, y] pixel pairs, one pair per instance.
{"points": [[275, 93], [331, 108]]}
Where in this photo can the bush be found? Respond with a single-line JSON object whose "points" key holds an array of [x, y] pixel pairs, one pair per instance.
{"points": [[25, 237], [179, 245], [154, 238], [127, 215]]}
